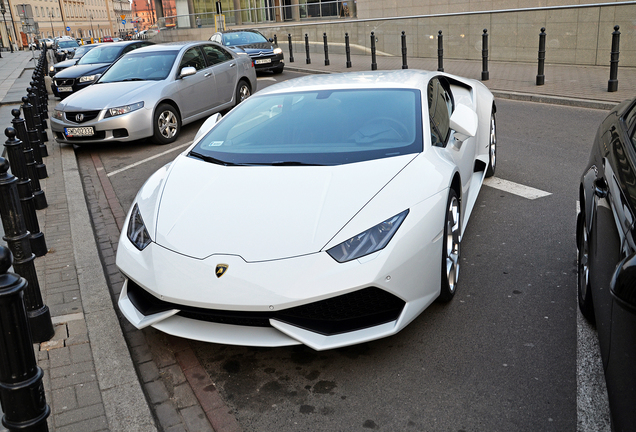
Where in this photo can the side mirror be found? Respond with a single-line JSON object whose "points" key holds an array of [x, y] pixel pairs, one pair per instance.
{"points": [[623, 284], [270, 39], [187, 71], [464, 122], [207, 125]]}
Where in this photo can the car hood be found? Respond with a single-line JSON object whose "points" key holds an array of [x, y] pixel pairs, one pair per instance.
{"points": [[99, 96], [81, 70], [263, 213], [266, 47], [66, 63]]}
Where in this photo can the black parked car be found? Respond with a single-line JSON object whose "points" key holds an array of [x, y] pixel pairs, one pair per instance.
{"points": [[79, 53], [91, 66], [606, 240], [65, 49], [266, 55]]}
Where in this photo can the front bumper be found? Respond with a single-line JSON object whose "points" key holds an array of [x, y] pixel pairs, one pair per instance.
{"points": [[309, 299], [276, 61], [126, 127]]}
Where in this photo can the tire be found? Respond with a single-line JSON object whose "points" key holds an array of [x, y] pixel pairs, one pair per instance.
{"points": [[279, 69], [167, 125], [243, 91], [492, 146], [451, 248], [586, 304]]}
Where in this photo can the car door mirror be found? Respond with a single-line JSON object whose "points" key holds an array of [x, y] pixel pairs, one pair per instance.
{"points": [[464, 122], [207, 125], [623, 285], [187, 71]]}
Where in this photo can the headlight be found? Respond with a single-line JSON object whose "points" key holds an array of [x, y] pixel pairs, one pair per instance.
{"points": [[89, 78], [57, 114], [278, 51], [112, 112], [372, 240], [51, 69], [137, 233]]}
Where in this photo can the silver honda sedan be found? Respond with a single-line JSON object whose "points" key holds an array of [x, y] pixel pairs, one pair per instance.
{"points": [[153, 91]]}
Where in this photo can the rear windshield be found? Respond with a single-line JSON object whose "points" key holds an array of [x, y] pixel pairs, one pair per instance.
{"points": [[242, 38], [67, 44], [327, 127]]}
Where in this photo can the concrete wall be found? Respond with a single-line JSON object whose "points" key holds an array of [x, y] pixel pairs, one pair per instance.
{"points": [[575, 34]]}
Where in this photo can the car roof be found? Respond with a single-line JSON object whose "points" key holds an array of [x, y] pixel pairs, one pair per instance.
{"points": [[172, 46], [239, 31], [401, 79]]}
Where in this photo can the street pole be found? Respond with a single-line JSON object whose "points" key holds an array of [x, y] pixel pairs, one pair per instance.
{"points": [[4, 18], [92, 31], [51, 19]]}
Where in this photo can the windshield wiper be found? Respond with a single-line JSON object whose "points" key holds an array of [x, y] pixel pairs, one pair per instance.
{"points": [[211, 159], [132, 79], [292, 163]]}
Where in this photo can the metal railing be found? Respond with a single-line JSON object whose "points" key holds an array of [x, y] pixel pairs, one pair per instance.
{"points": [[307, 11]]}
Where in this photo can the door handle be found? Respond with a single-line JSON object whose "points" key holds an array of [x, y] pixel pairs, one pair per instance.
{"points": [[600, 188], [207, 74], [232, 64]]}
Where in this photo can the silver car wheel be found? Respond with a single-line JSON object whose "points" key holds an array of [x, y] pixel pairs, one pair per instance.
{"points": [[242, 92], [492, 146], [168, 124], [453, 243]]}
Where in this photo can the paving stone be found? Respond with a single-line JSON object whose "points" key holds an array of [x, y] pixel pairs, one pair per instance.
{"points": [[79, 414], [72, 369], [81, 353], [148, 371], [168, 414], [81, 378], [184, 396], [76, 327], [59, 357], [173, 375], [88, 394], [96, 424], [195, 419], [63, 399], [156, 391]]}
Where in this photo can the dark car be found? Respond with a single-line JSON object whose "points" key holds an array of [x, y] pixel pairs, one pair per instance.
{"points": [[606, 241], [266, 55], [91, 66], [65, 49], [79, 53]]}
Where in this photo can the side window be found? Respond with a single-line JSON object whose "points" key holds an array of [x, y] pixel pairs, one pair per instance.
{"points": [[215, 55], [440, 108], [129, 48], [216, 38], [630, 124], [192, 58]]}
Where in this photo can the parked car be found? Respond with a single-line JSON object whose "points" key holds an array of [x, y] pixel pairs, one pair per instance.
{"points": [[267, 56], [107, 39], [153, 91], [79, 53], [65, 48], [606, 242], [323, 211], [91, 66]]}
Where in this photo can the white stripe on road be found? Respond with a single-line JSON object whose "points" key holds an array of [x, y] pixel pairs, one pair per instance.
{"points": [[148, 159], [515, 188], [266, 79]]}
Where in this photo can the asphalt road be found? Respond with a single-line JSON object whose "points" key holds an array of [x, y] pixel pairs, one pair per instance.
{"points": [[501, 356]]}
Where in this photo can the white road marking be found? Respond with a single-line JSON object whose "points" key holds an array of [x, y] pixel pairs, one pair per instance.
{"points": [[148, 159], [515, 188], [266, 79]]}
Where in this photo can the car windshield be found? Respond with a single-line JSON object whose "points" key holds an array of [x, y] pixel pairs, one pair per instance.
{"points": [[67, 44], [242, 38], [326, 127], [101, 54], [150, 66], [82, 50]]}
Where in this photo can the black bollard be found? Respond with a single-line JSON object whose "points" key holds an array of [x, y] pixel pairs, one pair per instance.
{"points": [[540, 70], [374, 64], [440, 52], [20, 170], [348, 50], [17, 238], [38, 123], [324, 39], [275, 40], [39, 198], [612, 84], [21, 390], [307, 48], [484, 56], [34, 137], [291, 49], [35, 85], [404, 65]]}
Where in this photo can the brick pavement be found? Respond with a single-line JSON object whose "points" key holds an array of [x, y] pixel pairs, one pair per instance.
{"points": [[150, 380]]}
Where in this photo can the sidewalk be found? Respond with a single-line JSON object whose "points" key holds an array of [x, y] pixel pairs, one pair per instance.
{"points": [[90, 378]]}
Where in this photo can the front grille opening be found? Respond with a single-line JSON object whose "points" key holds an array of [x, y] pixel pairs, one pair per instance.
{"points": [[358, 310], [86, 116]]}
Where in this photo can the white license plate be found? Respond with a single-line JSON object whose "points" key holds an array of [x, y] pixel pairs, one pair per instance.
{"points": [[79, 131], [262, 61], [65, 89]]}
